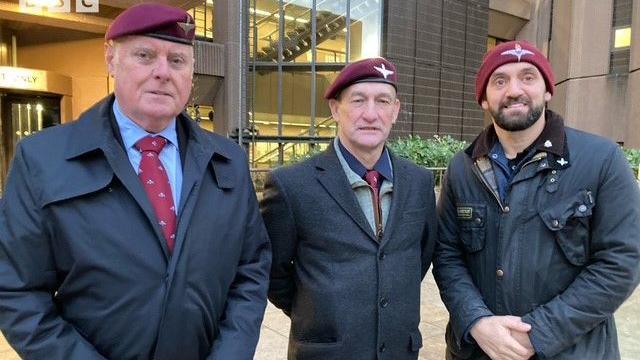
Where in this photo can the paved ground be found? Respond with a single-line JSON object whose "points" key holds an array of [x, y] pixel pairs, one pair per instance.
{"points": [[275, 329]]}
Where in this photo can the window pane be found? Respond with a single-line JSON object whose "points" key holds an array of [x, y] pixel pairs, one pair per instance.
{"points": [[265, 154], [297, 32], [296, 103], [324, 124], [331, 35], [263, 103], [264, 29], [365, 28], [203, 17], [622, 38]]}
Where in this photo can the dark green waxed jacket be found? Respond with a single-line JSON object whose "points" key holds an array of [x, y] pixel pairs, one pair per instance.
{"points": [[561, 250]]}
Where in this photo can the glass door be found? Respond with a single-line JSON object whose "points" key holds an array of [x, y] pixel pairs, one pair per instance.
{"points": [[21, 116]]}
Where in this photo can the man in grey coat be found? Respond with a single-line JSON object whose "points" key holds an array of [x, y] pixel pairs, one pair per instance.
{"points": [[352, 231], [539, 226], [131, 233]]}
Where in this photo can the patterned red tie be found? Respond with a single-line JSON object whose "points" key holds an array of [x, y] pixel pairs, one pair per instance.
{"points": [[373, 178], [156, 183]]}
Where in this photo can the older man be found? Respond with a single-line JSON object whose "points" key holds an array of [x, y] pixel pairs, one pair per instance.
{"points": [[540, 226], [131, 233], [352, 231]]}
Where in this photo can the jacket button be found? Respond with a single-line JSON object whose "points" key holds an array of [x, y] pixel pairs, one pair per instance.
{"points": [[382, 255], [555, 223], [384, 302], [499, 273], [582, 208], [382, 348], [507, 209], [478, 221]]}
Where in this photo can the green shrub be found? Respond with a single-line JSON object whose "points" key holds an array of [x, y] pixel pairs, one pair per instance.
{"points": [[432, 152], [633, 156]]}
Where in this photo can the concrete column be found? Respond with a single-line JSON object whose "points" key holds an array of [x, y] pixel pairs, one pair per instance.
{"points": [[229, 104], [587, 95], [538, 28]]}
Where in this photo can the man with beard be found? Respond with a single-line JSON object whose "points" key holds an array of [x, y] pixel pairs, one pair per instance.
{"points": [[539, 226]]}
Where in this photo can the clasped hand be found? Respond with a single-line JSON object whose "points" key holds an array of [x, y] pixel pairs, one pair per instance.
{"points": [[503, 337]]}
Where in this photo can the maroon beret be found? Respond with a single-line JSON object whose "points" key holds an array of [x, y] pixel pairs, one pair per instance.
{"points": [[508, 52], [376, 69], [155, 20]]}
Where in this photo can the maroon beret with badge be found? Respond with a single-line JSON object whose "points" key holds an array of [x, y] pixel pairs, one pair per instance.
{"points": [[155, 20], [508, 52], [376, 69]]}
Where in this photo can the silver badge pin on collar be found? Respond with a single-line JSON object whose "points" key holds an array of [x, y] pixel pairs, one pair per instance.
{"points": [[548, 144]]}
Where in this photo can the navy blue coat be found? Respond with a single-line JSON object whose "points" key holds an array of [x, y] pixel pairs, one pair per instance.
{"points": [[348, 295], [84, 269]]}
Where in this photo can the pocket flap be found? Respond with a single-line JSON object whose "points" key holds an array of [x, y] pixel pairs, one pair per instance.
{"points": [[578, 206], [77, 181], [568, 220]]}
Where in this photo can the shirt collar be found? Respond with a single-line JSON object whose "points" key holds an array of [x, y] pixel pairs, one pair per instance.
{"points": [[551, 139], [132, 132], [383, 165]]}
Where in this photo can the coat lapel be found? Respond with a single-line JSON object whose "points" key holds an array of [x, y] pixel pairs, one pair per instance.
{"points": [[202, 154], [332, 177]]}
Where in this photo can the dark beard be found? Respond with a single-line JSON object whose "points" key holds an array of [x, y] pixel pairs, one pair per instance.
{"points": [[517, 122]]}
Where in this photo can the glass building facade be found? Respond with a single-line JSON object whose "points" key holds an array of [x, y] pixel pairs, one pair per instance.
{"points": [[295, 50]]}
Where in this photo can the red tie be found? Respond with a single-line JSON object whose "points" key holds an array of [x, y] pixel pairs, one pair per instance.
{"points": [[156, 183], [373, 178]]}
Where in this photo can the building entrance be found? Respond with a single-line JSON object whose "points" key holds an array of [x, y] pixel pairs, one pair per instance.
{"points": [[23, 115]]}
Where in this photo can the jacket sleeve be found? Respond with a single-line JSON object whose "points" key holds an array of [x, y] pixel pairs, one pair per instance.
{"points": [[279, 219], [457, 289], [430, 234], [29, 317], [612, 271], [247, 296]]}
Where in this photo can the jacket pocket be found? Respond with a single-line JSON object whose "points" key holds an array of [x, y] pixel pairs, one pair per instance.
{"points": [[331, 349], [569, 220], [472, 220]]}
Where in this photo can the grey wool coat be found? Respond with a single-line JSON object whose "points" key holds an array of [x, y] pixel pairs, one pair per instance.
{"points": [[84, 269], [348, 295]]}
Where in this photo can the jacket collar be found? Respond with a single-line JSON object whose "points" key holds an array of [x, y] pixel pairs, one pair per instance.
{"points": [[332, 177], [93, 133], [552, 139]]}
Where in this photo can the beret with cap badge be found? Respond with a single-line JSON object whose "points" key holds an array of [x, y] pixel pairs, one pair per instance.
{"points": [[376, 69], [155, 20], [509, 52]]}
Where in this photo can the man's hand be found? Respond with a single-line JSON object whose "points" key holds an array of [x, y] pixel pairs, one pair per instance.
{"points": [[503, 337]]}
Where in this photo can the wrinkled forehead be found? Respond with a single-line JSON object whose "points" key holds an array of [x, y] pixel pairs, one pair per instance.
{"points": [[372, 89], [150, 43]]}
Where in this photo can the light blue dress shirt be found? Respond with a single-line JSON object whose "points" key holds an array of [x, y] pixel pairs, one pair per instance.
{"points": [[169, 156]]}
